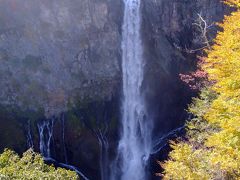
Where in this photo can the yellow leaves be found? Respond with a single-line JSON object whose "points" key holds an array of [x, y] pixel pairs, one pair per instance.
{"points": [[223, 64], [227, 160], [233, 3], [213, 149], [186, 163], [223, 60], [30, 166]]}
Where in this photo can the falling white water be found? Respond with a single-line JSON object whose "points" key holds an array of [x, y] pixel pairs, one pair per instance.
{"points": [[135, 144], [30, 143], [63, 138], [45, 137]]}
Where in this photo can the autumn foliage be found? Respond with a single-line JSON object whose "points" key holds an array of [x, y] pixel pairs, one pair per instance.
{"points": [[235, 3], [211, 149], [30, 166], [198, 79]]}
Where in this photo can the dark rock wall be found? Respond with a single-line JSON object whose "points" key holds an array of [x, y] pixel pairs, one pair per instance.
{"points": [[169, 35]]}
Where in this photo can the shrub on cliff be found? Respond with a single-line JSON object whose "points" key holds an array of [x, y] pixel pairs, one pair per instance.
{"points": [[211, 149], [30, 166]]}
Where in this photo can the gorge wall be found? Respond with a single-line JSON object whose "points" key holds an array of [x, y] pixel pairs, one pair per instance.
{"points": [[61, 61]]}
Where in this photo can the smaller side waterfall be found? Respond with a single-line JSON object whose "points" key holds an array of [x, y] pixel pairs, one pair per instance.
{"points": [[45, 129], [73, 168], [30, 143], [63, 138], [163, 141], [104, 147]]}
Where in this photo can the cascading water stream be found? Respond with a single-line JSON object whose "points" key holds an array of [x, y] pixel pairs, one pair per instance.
{"points": [[29, 136], [135, 144], [45, 137], [63, 138]]}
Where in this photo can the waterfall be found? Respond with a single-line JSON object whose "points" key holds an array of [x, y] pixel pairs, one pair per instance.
{"points": [[163, 141], [104, 151], [45, 129], [63, 138], [30, 143], [134, 146]]}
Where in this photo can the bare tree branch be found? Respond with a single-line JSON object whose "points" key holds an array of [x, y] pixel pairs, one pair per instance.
{"points": [[203, 27]]}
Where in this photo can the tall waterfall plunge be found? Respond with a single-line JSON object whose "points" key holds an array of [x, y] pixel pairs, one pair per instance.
{"points": [[135, 143]]}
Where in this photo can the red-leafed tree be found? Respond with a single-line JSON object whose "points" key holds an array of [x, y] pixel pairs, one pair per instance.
{"points": [[198, 79]]}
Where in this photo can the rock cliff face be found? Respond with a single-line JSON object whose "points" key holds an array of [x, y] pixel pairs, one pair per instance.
{"points": [[53, 51], [170, 39], [59, 56], [62, 59]]}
